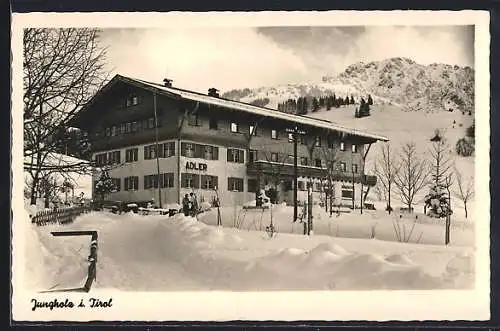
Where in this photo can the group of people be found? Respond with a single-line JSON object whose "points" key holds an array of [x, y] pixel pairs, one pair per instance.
{"points": [[190, 205]]}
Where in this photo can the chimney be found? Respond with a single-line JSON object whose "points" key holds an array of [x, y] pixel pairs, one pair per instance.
{"points": [[167, 82], [213, 92]]}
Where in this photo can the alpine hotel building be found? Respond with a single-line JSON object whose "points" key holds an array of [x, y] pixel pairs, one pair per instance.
{"points": [[203, 142]]}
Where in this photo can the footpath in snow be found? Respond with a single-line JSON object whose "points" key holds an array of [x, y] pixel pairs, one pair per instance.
{"points": [[158, 253]]}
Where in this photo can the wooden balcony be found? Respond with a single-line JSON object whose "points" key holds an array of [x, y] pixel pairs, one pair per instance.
{"points": [[286, 171]]}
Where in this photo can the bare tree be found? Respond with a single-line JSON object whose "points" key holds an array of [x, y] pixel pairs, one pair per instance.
{"points": [[331, 158], [386, 169], [276, 162], [465, 190], [412, 177], [62, 70]]}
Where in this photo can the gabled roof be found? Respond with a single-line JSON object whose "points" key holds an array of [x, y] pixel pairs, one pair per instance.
{"points": [[236, 105]]}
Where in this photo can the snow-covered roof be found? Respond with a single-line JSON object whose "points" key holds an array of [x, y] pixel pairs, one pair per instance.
{"points": [[262, 111]]}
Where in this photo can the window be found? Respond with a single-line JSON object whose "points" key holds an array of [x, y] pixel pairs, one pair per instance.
{"points": [[122, 128], [343, 167], [354, 148], [290, 137], [317, 163], [116, 184], [150, 181], [134, 126], [235, 155], [131, 183], [253, 130], [355, 168], [135, 100], [274, 134], [252, 185], [188, 150], [132, 101], [128, 127], [331, 142], [235, 184], [208, 182], [234, 127], [290, 159], [108, 132], [151, 122], [303, 140], [317, 141], [287, 185], [212, 124], [252, 156], [347, 193], [114, 157], [342, 146], [113, 131], [303, 161], [193, 119], [149, 152], [101, 159], [131, 155], [190, 180], [168, 149], [317, 187], [301, 186], [167, 180], [274, 157]]}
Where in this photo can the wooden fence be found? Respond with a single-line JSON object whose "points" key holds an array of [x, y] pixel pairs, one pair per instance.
{"points": [[58, 216]]}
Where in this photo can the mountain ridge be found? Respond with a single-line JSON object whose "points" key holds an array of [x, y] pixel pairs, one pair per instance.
{"points": [[396, 81]]}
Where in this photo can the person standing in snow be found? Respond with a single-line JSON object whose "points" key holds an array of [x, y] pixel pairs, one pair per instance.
{"points": [[194, 204], [186, 205]]}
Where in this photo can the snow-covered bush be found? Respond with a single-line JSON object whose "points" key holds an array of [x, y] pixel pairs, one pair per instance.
{"points": [[437, 203], [465, 147]]}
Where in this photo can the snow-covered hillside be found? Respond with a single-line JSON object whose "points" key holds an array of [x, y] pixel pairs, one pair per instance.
{"points": [[398, 81]]}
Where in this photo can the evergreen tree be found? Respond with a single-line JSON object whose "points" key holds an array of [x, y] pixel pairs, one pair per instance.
{"points": [[346, 100], [315, 104], [321, 102], [356, 113], [437, 201], [352, 102], [329, 103], [370, 100], [104, 185]]}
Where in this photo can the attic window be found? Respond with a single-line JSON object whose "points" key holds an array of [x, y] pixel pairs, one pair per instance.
{"points": [[132, 100]]}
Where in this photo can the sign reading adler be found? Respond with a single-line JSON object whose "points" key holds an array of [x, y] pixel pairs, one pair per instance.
{"points": [[196, 166]]}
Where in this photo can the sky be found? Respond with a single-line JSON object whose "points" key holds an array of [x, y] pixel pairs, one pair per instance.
{"points": [[228, 58]]}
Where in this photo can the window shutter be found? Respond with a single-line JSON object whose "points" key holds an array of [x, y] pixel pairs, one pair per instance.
{"points": [[215, 181], [172, 149], [183, 149], [125, 184], [228, 155], [183, 180], [199, 151], [146, 156], [196, 181], [240, 184], [216, 153], [242, 156]]}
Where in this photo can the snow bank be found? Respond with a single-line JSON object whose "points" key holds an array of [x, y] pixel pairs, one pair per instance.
{"points": [[158, 253]]}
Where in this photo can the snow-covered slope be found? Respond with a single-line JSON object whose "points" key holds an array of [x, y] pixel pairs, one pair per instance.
{"points": [[397, 81]]}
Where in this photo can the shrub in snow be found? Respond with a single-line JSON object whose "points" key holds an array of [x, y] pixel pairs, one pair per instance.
{"points": [[204, 206], [465, 147]]}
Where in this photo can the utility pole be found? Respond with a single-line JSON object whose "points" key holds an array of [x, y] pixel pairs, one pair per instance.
{"points": [[295, 134], [157, 150], [295, 174]]}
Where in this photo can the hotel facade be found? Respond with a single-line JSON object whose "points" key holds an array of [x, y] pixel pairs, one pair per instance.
{"points": [[160, 142]]}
